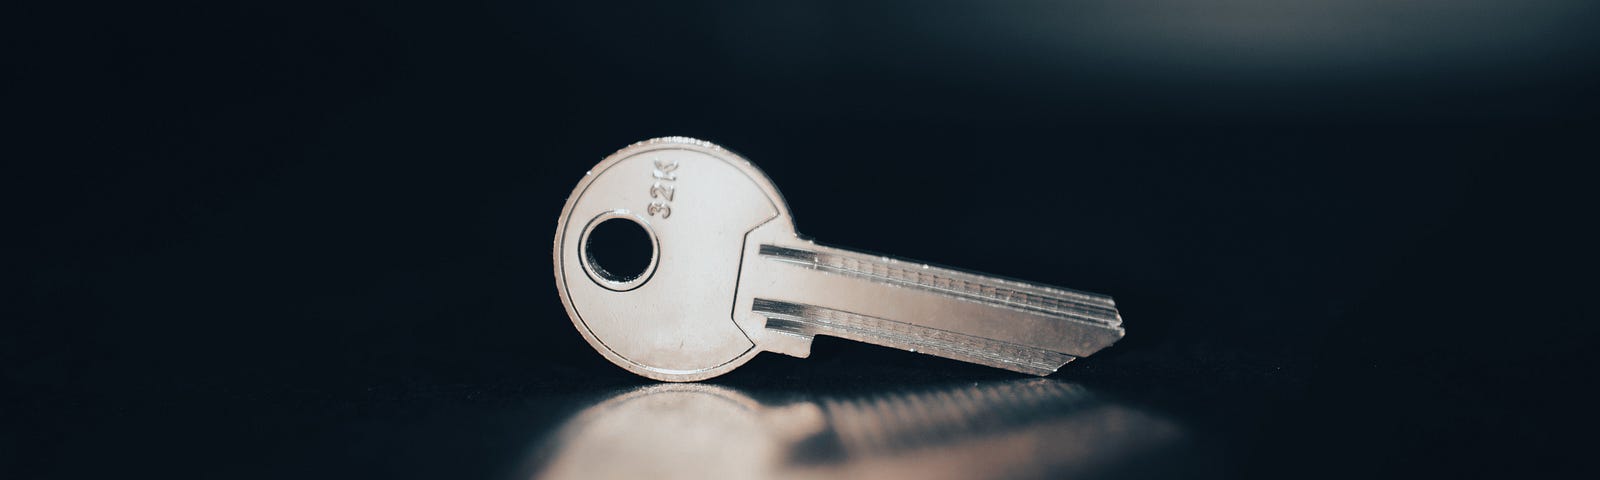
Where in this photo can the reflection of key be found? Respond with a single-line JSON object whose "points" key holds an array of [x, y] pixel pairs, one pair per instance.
{"points": [[727, 277], [1028, 428]]}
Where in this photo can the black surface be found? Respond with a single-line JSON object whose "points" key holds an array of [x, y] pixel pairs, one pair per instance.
{"points": [[1348, 238]]}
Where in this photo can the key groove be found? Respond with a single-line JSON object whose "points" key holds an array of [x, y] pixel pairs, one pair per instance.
{"points": [[810, 320], [1079, 306]]}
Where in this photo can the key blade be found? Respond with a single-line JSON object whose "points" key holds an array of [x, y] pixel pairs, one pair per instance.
{"points": [[1079, 306], [802, 289]]}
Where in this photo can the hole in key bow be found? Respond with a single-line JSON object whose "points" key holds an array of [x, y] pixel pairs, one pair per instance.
{"points": [[618, 249]]}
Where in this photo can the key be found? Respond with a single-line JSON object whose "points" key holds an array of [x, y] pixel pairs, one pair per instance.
{"points": [[727, 277]]}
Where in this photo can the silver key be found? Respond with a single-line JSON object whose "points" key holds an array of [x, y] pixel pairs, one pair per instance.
{"points": [[728, 278]]}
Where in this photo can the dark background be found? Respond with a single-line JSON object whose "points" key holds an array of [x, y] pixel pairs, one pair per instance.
{"points": [[291, 240]]}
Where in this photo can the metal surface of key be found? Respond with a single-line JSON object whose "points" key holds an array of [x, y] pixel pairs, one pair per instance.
{"points": [[728, 278]]}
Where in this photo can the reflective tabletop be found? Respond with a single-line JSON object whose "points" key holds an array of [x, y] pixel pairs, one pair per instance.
{"points": [[1024, 428]]}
